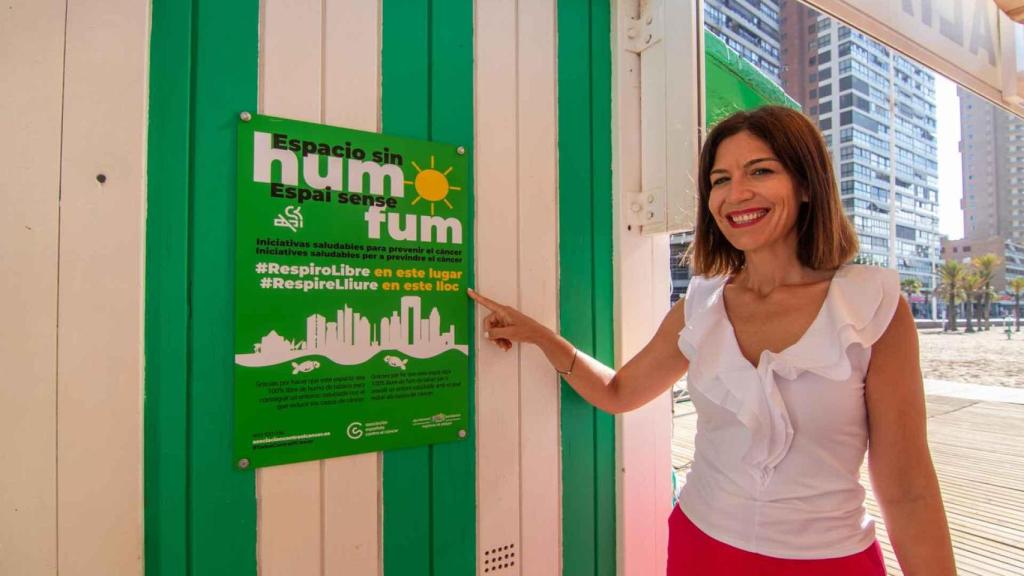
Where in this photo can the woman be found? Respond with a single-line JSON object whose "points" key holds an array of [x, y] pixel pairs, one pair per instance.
{"points": [[798, 364]]}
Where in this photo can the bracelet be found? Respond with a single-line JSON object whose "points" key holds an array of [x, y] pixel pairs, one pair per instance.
{"points": [[568, 372]]}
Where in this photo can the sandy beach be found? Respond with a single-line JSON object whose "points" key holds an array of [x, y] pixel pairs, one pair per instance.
{"points": [[978, 358]]}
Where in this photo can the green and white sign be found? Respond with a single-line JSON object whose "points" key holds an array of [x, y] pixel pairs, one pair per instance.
{"points": [[352, 323]]}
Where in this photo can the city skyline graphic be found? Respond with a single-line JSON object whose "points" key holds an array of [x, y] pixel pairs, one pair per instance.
{"points": [[351, 338]]}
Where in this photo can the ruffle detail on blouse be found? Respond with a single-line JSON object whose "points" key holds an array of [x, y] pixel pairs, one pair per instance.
{"points": [[860, 302]]}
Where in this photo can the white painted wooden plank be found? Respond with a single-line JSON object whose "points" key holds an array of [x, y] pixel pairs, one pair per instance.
{"points": [[684, 61], [100, 292], [30, 111], [645, 434], [290, 496], [352, 64], [288, 517], [659, 411], [351, 76], [642, 297], [540, 475], [643, 508], [290, 59], [498, 275], [352, 520]]}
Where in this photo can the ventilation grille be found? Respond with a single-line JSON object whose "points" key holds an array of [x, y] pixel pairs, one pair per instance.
{"points": [[499, 558]]}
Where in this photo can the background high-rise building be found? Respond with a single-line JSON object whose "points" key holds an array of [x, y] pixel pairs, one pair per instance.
{"points": [[992, 159], [877, 112], [751, 28], [992, 152]]}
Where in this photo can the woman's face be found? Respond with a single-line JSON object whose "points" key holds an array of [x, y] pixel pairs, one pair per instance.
{"points": [[753, 199]]}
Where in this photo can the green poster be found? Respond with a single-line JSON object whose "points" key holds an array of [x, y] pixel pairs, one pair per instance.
{"points": [[352, 324]]}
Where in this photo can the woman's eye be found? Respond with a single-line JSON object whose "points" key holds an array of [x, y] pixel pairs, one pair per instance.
{"points": [[718, 181], [761, 171]]}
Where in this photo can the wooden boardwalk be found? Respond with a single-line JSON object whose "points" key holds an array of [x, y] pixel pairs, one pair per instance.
{"points": [[978, 450]]}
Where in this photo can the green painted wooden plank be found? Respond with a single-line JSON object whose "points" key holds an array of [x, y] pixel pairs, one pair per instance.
{"points": [[585, 233], [405, 76], [575, 277], [451, 115], [601, 167], [603, 281], [604, 493], [222, 499], [578, 487], [574, 176], [166, 329]]}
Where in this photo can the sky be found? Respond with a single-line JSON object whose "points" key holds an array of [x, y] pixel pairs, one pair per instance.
{"points": [[951, 218]]}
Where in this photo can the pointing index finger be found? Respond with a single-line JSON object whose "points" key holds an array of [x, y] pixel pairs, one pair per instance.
{"points": [[483, 300]]}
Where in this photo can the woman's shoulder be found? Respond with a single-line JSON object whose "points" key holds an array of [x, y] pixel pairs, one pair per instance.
{"points": [[864, 300], [700, 292], [703, 283], [864, 272]]}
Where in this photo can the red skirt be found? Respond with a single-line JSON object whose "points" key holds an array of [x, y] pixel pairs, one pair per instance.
{"points": [[692, 552]]}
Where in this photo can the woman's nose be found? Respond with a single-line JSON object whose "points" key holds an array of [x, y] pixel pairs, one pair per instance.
{"points": [[739, 190]]}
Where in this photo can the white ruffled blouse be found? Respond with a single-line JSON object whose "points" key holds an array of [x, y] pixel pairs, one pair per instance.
{"points": [[779, 445]]}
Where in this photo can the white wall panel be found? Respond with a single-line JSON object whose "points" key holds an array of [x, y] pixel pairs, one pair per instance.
{"points": [[320, 62], [540, 480], [642, 291], [290, 497], [518, 460], [31, 82], [100, 291], [498, 277], [352, 485]]}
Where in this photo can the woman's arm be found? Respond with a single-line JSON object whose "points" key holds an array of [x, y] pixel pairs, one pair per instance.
{"points": [[901, 467], [652, 371]]}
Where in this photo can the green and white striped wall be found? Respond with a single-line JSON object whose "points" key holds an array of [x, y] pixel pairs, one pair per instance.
{"points": [[116, 242], [537, 487], [126, 426]]}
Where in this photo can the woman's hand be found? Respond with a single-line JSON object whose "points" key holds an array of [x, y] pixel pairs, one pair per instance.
{"points": [[652, 371], [505, 325]]}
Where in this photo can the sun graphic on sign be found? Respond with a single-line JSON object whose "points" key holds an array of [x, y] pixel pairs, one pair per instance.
{"points": [[432, 185]]}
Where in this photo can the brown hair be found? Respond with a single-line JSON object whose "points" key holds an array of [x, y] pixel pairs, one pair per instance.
{"points": [[826, 239]]}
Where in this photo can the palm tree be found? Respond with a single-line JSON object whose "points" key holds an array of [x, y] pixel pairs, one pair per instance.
{"points": [[985, 268], [951, 275], [973, 285], [1016, 287], [990, 296], [911, 286]]}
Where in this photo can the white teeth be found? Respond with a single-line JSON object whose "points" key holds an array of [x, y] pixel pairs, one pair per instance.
{"points": [[748, 217]]}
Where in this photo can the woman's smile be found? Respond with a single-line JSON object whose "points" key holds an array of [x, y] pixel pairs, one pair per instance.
{"points": [[746, 218]]}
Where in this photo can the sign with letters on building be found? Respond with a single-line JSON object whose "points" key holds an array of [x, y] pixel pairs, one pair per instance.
{"points": [[970, 41], [352, 325]]}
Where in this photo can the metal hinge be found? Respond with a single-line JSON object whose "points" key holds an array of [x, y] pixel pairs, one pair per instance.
{"points": [[647, 30]]}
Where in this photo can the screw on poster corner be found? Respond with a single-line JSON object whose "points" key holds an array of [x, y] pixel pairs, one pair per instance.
{"points": [[352, 327]]}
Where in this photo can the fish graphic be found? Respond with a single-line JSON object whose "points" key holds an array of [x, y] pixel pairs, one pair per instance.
{"points": [[307, 366], [396, 362]]}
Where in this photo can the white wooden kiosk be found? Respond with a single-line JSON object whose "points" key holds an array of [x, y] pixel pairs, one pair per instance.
{"points": [[76, 108]]}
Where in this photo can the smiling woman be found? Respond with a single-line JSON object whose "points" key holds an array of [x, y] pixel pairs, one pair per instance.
{"points": [[790, 147], [798, 365]]}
